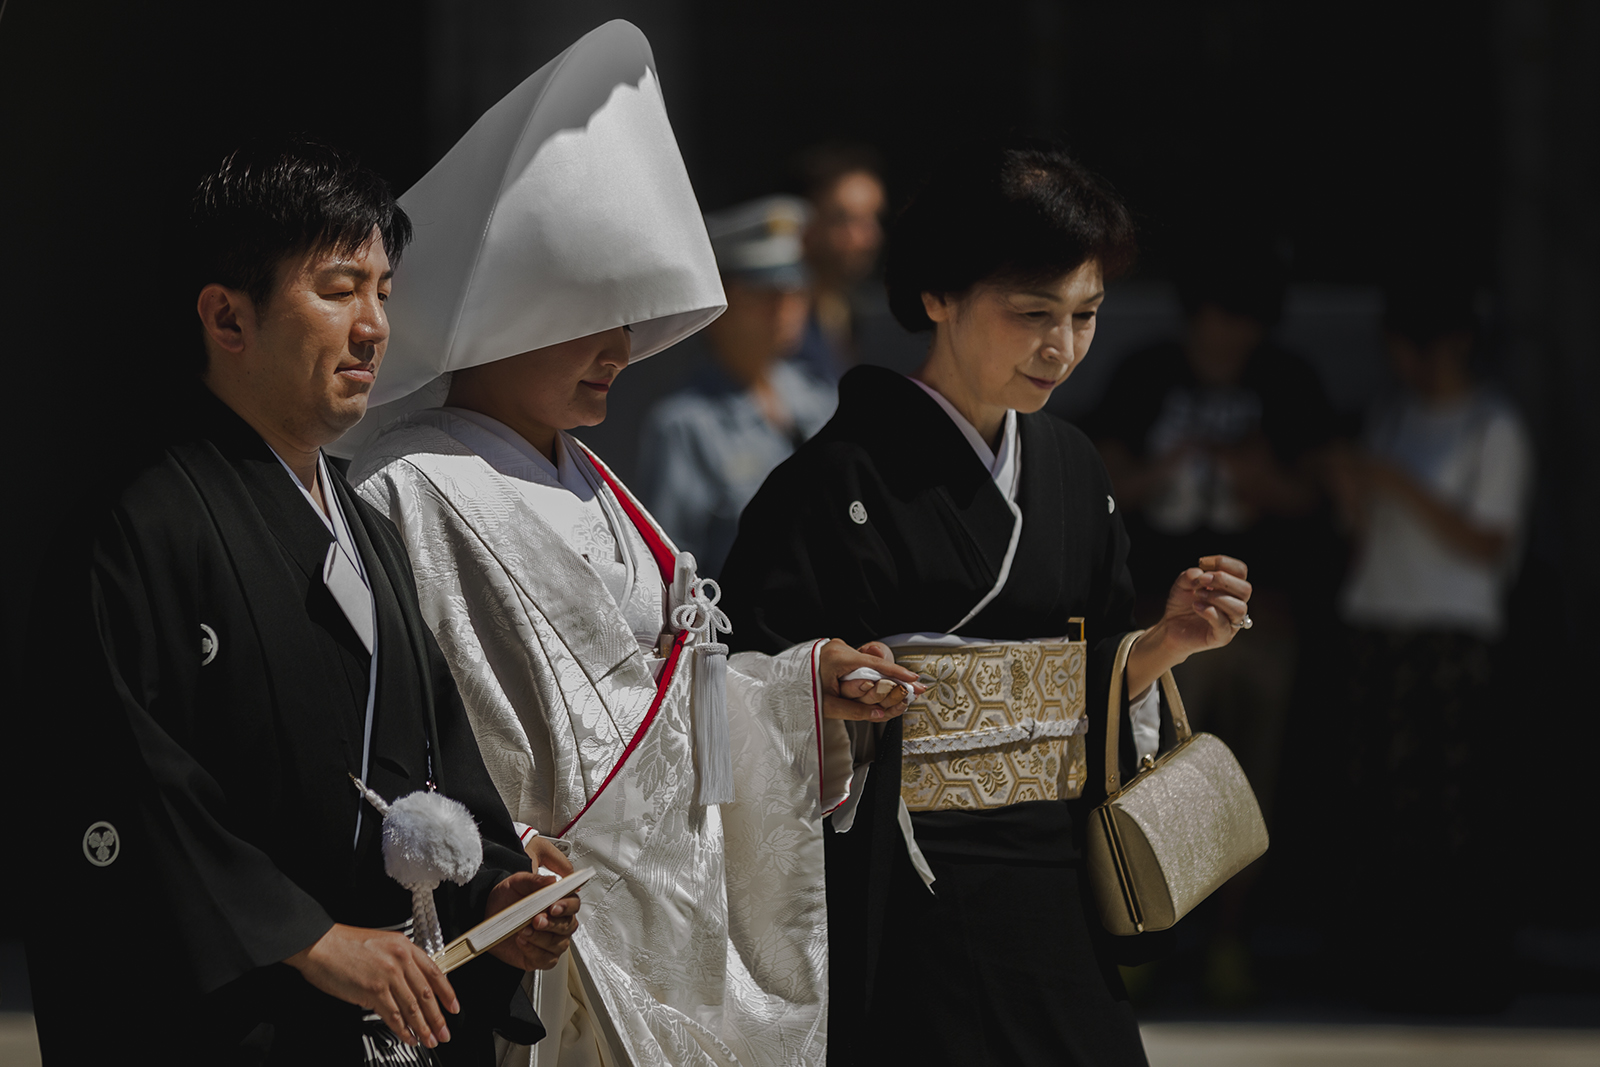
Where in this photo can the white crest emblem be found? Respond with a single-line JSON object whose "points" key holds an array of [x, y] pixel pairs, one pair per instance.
{"points": [[208, 644], [858, 513], [101, 845]]}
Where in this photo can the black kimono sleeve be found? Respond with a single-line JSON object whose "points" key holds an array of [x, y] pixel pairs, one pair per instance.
{"points": [[135, 868], [236, 909]]}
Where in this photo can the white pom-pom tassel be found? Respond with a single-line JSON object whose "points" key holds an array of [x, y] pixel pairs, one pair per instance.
{"points": [[708, 704], [428, 839]]}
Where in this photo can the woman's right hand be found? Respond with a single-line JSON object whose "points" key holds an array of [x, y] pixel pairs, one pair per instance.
{"points": [[873, 701]]}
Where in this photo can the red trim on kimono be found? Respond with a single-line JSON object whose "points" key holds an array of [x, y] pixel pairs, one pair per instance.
{"points": [[667, 674], [667, 560], [816, 706]]}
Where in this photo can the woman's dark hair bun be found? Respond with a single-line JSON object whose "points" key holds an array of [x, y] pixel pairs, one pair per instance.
{"points": [[1018, 212]]}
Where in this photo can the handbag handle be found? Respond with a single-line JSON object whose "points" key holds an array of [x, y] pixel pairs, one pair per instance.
{"points": [[1169, 686]]}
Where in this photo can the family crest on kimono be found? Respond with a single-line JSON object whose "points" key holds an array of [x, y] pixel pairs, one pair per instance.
{"points": [[557, 242]]}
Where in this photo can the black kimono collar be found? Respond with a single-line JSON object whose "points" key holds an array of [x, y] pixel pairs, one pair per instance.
{"points": [[302, 534], [906, 430]]}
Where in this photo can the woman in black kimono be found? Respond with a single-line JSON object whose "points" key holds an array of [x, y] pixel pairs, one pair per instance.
{"points": [[951, 504]]}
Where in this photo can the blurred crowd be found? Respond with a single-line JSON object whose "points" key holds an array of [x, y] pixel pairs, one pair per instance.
{"points": [[1382, 544]]}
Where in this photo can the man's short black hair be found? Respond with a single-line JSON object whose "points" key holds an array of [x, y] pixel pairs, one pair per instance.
{"points": [[1015, 213], [270, 201]]}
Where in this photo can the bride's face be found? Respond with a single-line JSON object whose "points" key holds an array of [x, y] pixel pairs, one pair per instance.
{"points": [[1010, 346], [563, 386]]}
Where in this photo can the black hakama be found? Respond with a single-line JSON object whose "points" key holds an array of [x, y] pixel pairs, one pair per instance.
{"points": [[887, 525]]}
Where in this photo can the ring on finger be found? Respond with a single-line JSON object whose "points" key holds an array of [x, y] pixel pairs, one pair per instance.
{"points": [[1244, 623]]}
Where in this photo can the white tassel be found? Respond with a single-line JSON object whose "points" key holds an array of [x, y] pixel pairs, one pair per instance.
{"points": [[427, 839], [696, 611], [713, 756]]}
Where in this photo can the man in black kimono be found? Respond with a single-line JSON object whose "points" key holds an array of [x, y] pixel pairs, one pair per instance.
{"points": [[234, 636]]}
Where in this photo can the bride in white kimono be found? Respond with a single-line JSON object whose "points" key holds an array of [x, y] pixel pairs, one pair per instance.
{"points": [[558, 240]]}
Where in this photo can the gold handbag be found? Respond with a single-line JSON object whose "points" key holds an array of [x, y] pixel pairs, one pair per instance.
{"points": [[1186, 823]]}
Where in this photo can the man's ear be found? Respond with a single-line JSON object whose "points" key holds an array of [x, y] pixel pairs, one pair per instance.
{"points": [[937, 306], [227, 316]]}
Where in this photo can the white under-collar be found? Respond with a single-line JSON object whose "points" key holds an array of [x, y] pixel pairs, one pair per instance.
{"points": [[511, 455], [1003, 465], [329, 511], [565, 471]]}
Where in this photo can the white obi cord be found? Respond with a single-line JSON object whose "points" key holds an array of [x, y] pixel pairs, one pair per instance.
{"points": [[1026, 730]]}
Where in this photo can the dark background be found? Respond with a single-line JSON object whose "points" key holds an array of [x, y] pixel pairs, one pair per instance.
{"points": [[1365, 134]]}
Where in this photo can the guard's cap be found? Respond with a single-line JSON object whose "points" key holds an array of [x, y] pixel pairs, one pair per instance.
{"points": [[758, 242]]}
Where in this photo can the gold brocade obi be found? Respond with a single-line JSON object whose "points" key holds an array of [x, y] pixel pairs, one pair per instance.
{"points": [[1000, 723]]}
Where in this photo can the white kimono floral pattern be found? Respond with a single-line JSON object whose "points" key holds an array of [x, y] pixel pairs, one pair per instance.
{"points": [[703, 937]]}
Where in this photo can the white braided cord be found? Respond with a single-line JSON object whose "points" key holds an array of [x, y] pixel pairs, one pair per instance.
{"points": [[425, 931], [700, 614], [994, 736]]}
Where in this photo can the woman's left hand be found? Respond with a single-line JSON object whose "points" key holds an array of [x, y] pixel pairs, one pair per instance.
{"points": [[1206, 607]]}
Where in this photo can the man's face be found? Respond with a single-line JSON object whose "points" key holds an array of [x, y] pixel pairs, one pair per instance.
{"points": [[319, 342], [761, 326], [843, 239]]}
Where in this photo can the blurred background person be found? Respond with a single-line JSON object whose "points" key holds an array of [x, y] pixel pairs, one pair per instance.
{"points": [[1437, 494], [1217, 442], [843, 182], [706, 449]]}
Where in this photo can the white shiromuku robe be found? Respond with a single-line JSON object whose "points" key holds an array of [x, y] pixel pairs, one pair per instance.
{"points": [[702, 938]]}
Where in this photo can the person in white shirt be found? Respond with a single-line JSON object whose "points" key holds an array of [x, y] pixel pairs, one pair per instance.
{"points": [[1437, 495]]}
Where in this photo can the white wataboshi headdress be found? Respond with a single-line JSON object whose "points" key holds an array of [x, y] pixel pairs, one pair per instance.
{"points": [[564, 211]]}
